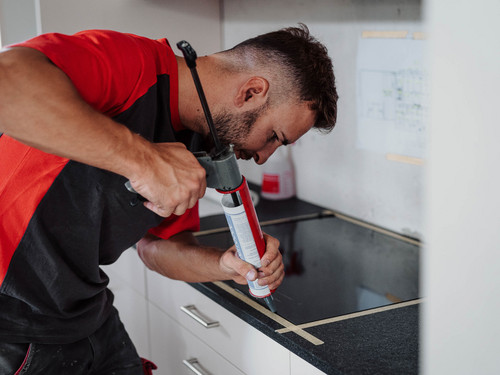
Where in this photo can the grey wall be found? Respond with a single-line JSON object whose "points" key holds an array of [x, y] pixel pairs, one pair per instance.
{"points": [[331, 170], [193, 20], [461, 265], [18, 20], [198, 22]]}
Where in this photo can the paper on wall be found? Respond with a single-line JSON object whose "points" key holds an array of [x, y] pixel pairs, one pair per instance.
{"points": [[392, 96]]}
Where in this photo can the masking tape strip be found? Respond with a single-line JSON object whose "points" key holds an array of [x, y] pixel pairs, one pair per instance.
{"points": [[324, 213], [377, 229], [404, 159], [289, 327], [315, 215], [349, 316], [270, 222], [384, 34], [419, 35], [211, 231]]}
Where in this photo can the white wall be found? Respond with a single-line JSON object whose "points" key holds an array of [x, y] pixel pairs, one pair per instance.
{"points": [[197, 21], [462, 259], [18, 20], [461, 283], [331, 170]]}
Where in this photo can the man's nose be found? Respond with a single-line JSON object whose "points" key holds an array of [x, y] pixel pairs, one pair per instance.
{"points": [[263, 155]]}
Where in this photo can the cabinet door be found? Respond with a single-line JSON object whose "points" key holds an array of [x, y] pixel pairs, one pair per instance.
{"points": [[133, 311], [128, 269], [240, 343], [172, 344], [300, 367]]}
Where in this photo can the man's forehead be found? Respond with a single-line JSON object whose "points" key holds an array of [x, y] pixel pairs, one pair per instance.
{"points": [[297, 126]]}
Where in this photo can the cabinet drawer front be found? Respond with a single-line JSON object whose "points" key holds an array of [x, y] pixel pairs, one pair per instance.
{"points": [[172, 344], [300, 367], [243, 345], [133, 311]]}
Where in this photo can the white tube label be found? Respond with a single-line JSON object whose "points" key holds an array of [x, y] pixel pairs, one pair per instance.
{"points": [[241, 232]]}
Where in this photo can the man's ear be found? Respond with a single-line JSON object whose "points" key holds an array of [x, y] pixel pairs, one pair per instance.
{"points": [[253, 92]]}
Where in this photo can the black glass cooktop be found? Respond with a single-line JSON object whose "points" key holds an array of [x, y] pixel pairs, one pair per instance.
{"points": [[334, 267]]}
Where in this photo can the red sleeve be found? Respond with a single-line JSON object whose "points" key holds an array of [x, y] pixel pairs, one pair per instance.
{"points": [[174, 224], [111, 70]]}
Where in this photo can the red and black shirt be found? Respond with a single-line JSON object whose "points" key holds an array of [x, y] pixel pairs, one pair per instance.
{"points": [[61, 219]]}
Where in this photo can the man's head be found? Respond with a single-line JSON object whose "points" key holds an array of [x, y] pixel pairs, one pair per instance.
{"points": [[283, 85]]}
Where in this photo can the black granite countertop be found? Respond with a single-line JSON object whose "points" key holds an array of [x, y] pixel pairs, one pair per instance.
{"points": [[361, 318], [380, 343]]}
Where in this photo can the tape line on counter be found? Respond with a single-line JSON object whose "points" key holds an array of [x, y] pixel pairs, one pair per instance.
{"points": [[349, 316], [288, 326], [291, 219], [324, 213]]}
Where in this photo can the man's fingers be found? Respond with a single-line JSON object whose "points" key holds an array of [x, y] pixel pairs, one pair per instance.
{"points": [[181, 208], [243, 269], [272, 250], [271, 272], [277, 283], [173, 181], [158, 210], [272, 266], [273, 279]]}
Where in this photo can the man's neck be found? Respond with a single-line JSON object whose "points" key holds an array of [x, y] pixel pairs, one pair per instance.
{"points": [[190, 109]]}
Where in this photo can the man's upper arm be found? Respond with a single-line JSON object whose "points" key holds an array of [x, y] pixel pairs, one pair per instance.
{"points": [[107, 68]]}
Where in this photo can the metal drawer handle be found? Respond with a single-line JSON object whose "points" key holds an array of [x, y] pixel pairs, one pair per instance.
{"points": [[193, 312], [195, 366]]}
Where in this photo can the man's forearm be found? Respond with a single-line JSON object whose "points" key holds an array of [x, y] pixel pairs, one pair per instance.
{"points": [[182, 258], [39, 106]]}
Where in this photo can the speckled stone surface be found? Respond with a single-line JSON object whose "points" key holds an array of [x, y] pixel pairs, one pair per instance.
{"points": [[381, 343]]}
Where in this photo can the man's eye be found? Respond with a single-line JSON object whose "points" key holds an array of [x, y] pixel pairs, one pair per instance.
{"points": [[275, 137]]}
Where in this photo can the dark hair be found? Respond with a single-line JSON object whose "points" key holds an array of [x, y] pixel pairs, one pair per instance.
{"points": [[305, 63]]}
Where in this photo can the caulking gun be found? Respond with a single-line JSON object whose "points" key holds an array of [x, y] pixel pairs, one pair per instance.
{"points": [[224, 175]]}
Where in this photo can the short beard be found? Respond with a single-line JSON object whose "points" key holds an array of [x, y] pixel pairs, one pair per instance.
{"points": [[234, 129]]}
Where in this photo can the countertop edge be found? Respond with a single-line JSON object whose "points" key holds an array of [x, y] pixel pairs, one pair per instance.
{"points": [[230, 303]]}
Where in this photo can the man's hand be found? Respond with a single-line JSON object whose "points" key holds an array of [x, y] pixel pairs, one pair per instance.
{"points": [[171, 180], [181, 257], [40, 106], [271, 273]]}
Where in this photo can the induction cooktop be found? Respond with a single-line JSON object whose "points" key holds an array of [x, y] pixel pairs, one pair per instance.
{"points": [[334, 267]]}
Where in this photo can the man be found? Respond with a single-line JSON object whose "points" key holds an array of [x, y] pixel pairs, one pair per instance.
{"points": [[81, 115]]}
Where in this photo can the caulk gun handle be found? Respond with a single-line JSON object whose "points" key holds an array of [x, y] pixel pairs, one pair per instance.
{"points": [[189, 53], [138, 198]]}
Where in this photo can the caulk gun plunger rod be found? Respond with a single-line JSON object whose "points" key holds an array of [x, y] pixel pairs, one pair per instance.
{"points": [[190, 57]]}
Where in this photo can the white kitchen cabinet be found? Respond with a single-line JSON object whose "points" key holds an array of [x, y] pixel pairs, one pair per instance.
{"points": [[172, 344], [300, 367], [150, 308], [128, 269], [238, 342]]}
